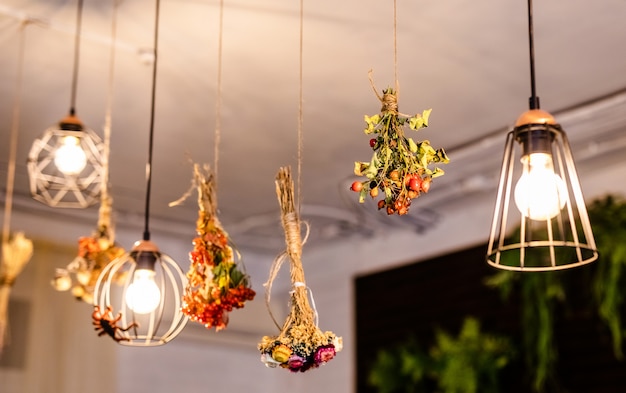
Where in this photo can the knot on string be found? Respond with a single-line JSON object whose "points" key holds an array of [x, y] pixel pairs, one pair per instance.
{"points": [[390, 103], [5, 280], [389, 98]]}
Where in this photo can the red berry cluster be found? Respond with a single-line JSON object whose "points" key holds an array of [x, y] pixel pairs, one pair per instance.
{"points": [[402, 191], [215, 314]]}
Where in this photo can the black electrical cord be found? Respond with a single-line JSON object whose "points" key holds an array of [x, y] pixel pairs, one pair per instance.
{"points": [[146, 232], [79, 18]]}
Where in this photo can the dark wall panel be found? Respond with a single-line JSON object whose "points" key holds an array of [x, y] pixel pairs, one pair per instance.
{"points": [[416, 299]]}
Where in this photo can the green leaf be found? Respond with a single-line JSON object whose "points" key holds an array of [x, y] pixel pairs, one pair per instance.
{"points": [[236, 276], [412, 145], [372, 168], [441, 156], [437, 172], [416, 122], [362, 195], [426, 115], [360, 167], [372, 122]]}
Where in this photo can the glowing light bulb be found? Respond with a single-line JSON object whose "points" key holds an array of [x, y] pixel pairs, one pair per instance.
{"points": [[143, 295], [69, 157], [540, 194]]}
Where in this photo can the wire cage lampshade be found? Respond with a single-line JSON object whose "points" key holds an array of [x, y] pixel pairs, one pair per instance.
{"points": [[555, 232], [65, 165], [139, 294]]}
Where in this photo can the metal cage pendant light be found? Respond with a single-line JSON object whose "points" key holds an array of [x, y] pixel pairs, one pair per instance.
{"points": [[65, 164], [555, 232], [140, 292]]}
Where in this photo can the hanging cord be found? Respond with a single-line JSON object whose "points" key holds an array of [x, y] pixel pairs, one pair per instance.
{"points": [[533, 101], [290, 204], [300, 110], [218, 100], [395, 46], [389, 100], [79, 18], [8, 204], [146, 232], [104, 214], [15, 252]]}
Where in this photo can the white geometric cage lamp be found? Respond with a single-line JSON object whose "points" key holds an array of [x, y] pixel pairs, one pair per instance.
{"points": [[65, 165], [554, 232]]}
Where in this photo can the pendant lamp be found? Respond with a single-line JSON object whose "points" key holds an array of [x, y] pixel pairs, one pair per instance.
{"points": [[555, 232], [137, 298], [65, 163]]}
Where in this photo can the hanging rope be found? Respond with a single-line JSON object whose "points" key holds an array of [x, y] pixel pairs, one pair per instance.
{"points": [[106, 202], [13, 142], [300, 110], [218, 100], [395, 46], [390, 101], [16, 252]]}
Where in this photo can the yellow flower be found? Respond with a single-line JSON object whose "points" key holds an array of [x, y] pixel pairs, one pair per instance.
{"points": [[281, 353]]}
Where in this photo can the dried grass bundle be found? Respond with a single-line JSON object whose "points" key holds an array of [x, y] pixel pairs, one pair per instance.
{"points": [[300, 345], [217, 283], [15, 255]]}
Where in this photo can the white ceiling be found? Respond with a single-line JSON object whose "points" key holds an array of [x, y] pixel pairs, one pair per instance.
{"points": [[468, 60]]}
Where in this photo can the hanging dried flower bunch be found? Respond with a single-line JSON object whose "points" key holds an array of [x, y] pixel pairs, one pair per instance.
{"points": [[216, 283], [300, 345], [94, 253], [16, 253], [400, 166]]}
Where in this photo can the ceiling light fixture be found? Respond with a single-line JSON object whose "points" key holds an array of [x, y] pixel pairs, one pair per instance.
{"points": [[555, 232], [144, 286], [65, 163]]}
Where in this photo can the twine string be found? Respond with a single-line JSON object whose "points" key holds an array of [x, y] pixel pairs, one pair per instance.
{"points": [[8, 204], [274, 269], [106, 202], [395, 45], [300, 107], [218, 100], [203, 181], [294, 241], [390, 101]]}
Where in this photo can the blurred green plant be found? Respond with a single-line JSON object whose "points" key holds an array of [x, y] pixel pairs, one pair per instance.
{"points": [[469, 363], [608, 220], [540, 292]]}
